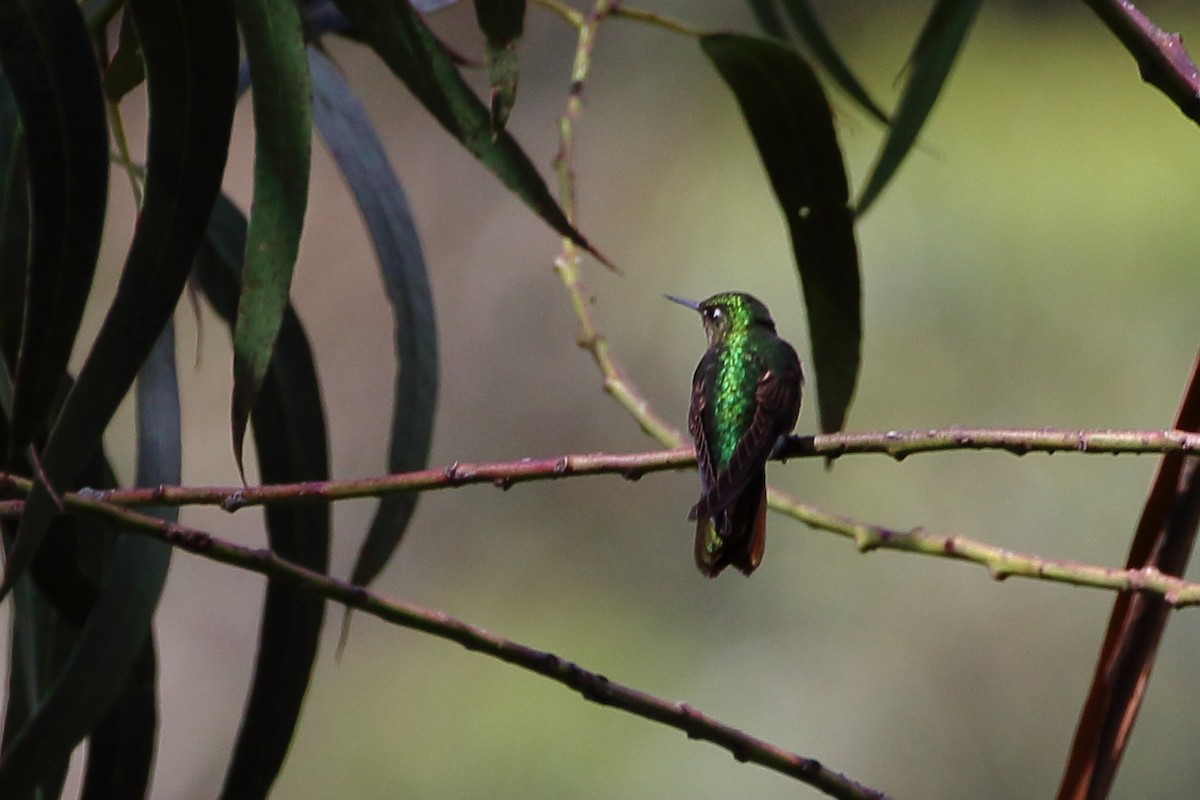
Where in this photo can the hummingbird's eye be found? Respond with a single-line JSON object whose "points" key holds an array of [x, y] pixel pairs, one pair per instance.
{"points": [[714, 313]]}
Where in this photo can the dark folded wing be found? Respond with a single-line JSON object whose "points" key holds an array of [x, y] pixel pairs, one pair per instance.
{"points": [[705, 375], [776, 405]]}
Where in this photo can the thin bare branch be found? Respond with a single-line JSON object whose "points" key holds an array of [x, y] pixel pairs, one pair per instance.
{"points": [[1161, 57], [632, 466], [1000, 562], [590, 685]]}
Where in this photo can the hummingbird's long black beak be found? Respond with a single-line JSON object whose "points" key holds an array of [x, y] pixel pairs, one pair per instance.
{"points": [[692, 304]]}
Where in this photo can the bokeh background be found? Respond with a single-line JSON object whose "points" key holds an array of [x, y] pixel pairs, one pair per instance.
{"points": [[1033, 265]]}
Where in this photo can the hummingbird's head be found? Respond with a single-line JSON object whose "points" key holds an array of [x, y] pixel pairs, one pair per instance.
{"points": [[728, 311]]}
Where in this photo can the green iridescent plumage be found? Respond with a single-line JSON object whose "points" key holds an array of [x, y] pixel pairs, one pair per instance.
{"points": [[745, 395]]}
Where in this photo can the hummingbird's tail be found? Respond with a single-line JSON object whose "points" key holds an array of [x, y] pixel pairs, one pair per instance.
{"points": [[737, 534]]}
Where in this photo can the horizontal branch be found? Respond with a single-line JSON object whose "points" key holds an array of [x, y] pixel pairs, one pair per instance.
{"points": [[1018, 441], [1000, 562], [632, 466], [590, 685]]}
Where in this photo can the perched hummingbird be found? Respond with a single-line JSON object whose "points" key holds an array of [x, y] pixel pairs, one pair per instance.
{"points": [[745, 395]]}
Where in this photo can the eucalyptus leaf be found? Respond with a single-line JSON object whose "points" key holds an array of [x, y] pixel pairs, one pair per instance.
{"points": [[933, 56], [789, 117]]}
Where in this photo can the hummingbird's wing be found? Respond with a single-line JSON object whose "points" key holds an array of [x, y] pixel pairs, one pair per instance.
{"points": [[776, 407], [697, 412]]}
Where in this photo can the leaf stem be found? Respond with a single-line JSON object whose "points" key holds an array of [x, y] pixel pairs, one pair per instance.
{"points": [[573, 17], [654, 18]]}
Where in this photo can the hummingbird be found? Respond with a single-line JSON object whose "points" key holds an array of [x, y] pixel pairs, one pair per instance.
{"points": [[745, 396]]}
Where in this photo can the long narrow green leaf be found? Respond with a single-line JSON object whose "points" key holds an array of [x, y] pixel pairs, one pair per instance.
{"points": [[96, 672], [275, 48], [291, 443], [41, 640], [770, 21], [401, 39], [48, 62], [929, 65], [502, 22], [191, 65], [121, 746], [14, 232], [360, 156], [789, 118], [808, 27], [126, 70], [191, 68]]}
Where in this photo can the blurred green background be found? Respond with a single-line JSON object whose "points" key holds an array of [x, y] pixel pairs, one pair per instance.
{"points": [[1033, 265]]}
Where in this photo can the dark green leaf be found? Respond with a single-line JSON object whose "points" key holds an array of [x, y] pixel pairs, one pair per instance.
{"points": [[291, 442], [401, 39], [96, 672], [159, 427], [120, 713], [770, 22], [120, 754], [121, 746], [792, 126], [929, 65], [48, 62], [808, 27], [191, 67], [360, 156], [41, 640], [14, 231], [274, 46], [502, 22], [126, 70]]}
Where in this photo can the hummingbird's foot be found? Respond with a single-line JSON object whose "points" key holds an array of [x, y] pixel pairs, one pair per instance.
{"points": [[780, 443]]}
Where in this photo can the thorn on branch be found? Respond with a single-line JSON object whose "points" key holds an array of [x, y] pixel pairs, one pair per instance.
{"points": [[233, 502], [189, 539]]}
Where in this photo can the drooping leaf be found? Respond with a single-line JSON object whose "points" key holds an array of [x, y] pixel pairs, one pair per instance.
{"points": [[14, 231], [191, 59], [770, 21], [125, 70], [106, 689], [275, 48], [929, 65], [322, 17], [789, 118], [291, 442], [808, 27], [48, 62], [97, 670], [401, 39], [121, 747], [41, 640], [360, 156], [191, 68], [502, 22]]}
